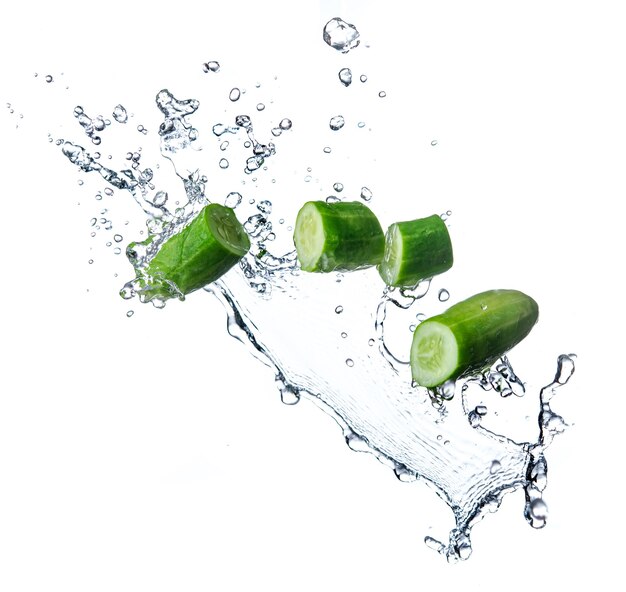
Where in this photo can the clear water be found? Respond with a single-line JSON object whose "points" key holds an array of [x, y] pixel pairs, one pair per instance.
{"points": [[338, 340]]}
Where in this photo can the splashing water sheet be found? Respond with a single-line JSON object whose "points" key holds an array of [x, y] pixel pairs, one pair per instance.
{"points": [[263, 136]]}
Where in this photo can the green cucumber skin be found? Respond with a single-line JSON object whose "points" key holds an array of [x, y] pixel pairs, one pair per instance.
{"points": [[485, 327], [354, 237], [428, 250], [194, 257]]}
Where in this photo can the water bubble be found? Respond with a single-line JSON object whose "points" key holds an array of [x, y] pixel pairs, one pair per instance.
{"points": [[344, 334], [366, 194], [371, 342], [338, 187], [49, 78], [345, 76], [233, 199], [234, 94], [130, 313], [361, 124], [341, 35], [260, 107], [108, 191], [90, 261], [363, 78], [332, 199], [224, 145], [211, 66], [223, 163], [118, 238], [243, 121], [160, 198], [443, 295], [265, 207], [336, 123], [327, 149], [382, 94], [349, 362], [433, 143], [339, 309], [285, 124], [276, 131]]}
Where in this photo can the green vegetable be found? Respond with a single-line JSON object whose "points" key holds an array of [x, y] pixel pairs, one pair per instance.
{"points": [[340, 236], [415, 250], [470, 335], [199, 254]]}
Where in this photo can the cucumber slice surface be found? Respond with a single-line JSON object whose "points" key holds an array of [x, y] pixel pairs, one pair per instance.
{"points": [[199, 254], [341, 236], [470, 335], [416, 250]]}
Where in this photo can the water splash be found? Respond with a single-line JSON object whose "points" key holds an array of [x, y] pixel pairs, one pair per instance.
{"points": [[437, 436]]}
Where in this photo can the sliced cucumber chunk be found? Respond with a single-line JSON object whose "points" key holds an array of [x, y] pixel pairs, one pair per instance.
{"points": [[415, 250], [199, 254], [470, 335], [340, 236]]}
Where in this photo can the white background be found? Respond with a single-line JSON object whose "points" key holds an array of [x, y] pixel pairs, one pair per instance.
{"points": [[153, 453]]}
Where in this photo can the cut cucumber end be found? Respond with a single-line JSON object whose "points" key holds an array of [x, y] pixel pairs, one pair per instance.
{"points": [[391, 264], [309, 236], [226, 229], [434, 354]]}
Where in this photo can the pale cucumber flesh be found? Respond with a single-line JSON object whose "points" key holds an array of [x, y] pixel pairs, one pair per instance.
{"points": [[470, 335]]}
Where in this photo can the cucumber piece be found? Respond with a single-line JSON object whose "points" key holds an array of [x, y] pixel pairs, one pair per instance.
{"points": [[470, 335], [415, 250], [340, 236], [199, 254]]}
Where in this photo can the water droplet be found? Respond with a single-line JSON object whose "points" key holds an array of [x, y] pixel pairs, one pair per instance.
{"points": [[265, 207], [339, 309], [382, 94], [160, 197], [224, 145], [233, 199], [260, 107], [327, 149], [371, 342], [444, 295], [234, 95], [341, 35], [336, 123], [483, 306], [211, 66], [118, 238], [332, 199], [285, 124], [307, 178], [338, 187], [344, 334], [434, 143], [361, 124], [223, 163], [49, 78], [130, 313], [345, 75], [363, 78], [90, 261], [349, 362], [366, 194]]}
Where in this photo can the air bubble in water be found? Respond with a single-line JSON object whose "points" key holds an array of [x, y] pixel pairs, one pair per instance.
{"points": [[345, 76], [234, 95], [211, 66], [336, 123], [443, 295], [341, 35], [233, 199]]}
